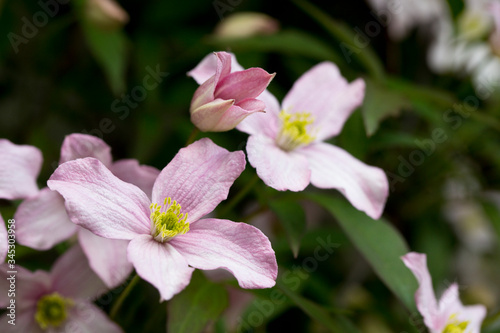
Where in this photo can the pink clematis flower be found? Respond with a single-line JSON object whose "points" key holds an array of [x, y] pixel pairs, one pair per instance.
{"points": [[167, 234], [449, 314], [57, 301], [19, 168], [287, 149], [42, 220], [226, 97]]}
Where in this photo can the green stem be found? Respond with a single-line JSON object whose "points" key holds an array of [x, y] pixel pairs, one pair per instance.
{"points": [[192, 136], [345, 35], [118, 304], [241, 194]]}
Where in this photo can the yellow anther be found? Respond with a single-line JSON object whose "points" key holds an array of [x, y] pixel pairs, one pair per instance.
{"points": [[454, 326], [167, 221], [51, 310], [294, 131]]}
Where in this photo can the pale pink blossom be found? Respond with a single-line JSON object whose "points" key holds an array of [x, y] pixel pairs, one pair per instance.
{"points": [[495, 36], [448, 314], [168, 235], [287, 149], [19, 169], [57, 301], [226, 96], [42, 220]]}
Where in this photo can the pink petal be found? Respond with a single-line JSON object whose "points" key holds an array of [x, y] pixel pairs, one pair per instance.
{"points": [[424, 297], [4, 246], [199, 177], [86, 317], [25, 322], [19, 168], [29, 286], [99, 201], [208, 116], [323, 92], [130, 171], [42, 221], [279, 169], [249, 83], [265, 123], [72, 276], [107, 257], [206, 92], [217, 117], [450, 305], [237, 247], [82, 145], [205, 69], [365, 187], [209, 65], [160, 264]]}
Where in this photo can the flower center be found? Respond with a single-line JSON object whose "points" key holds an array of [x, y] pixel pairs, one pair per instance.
{"points": [[167, 221], [293, 131], [51, 310], [454, 326], [473, 25]]}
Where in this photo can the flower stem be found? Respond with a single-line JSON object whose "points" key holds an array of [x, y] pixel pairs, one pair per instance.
{"points": [[118, 304], [240, 195], [192, 136]]}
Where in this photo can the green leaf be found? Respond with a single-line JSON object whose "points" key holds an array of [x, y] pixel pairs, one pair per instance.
{"points": [[191, 310], [292, 42], [379, 104], [315, 311], [346, 35], [379, 242], [110, 51], [293, 220]]}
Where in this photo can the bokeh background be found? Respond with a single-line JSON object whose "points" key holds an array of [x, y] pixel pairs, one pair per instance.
{"points": [[80, 73]]}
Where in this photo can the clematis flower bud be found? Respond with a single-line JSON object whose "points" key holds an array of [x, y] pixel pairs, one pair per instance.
{"points": [[246, 24], [106, 14], [226, 98]]}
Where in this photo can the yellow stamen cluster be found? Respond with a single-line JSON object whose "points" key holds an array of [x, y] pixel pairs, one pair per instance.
{"points": [[472, 25], [454, 326], [51, 310], [167, 221], [294, 132]]}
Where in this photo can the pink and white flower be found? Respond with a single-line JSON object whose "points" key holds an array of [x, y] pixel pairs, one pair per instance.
{"points": [[287, 149], [167, 233], [448, 314], [57, 301], [225, 96], [42, 220], [19, 168]]}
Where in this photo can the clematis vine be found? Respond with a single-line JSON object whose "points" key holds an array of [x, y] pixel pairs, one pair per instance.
{"points": [[448, 315], [226, 96], [42, 221], [57, 301], [168, 235]]}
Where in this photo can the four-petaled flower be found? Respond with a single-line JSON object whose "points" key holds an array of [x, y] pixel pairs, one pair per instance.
{"points": [[41, 219], [286, 143], [57, 301], [448, 315], [168, 235]]}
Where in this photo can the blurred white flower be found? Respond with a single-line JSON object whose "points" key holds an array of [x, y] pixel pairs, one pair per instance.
{"points": [[106, 14], [246, 24]]}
